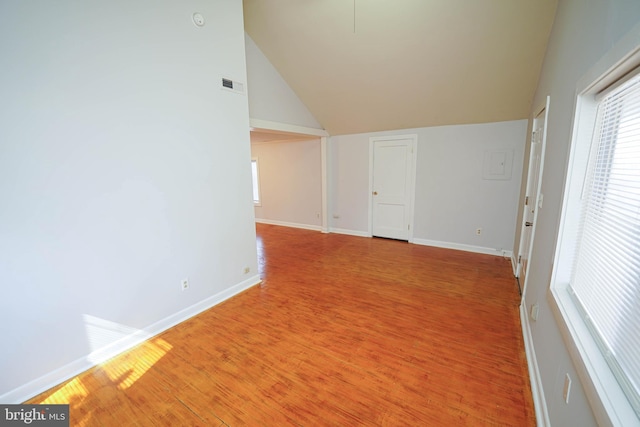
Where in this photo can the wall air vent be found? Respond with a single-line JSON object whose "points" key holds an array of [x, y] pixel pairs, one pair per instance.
{"points": [[233, 86]]}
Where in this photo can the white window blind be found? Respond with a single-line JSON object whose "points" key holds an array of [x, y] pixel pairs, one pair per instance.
{"points": [[605, 281]]}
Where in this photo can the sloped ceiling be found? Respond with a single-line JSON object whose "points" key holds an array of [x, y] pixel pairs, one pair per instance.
{"points": [[371, 65]]}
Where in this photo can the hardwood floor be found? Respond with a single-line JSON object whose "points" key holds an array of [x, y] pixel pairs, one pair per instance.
{"points": [[343, 331]]}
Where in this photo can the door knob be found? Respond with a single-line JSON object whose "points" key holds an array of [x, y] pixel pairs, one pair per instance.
{"points": [[375, 193]]}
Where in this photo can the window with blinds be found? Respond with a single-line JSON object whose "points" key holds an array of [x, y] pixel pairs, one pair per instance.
{"points": [[605, 279], [255, 181]]}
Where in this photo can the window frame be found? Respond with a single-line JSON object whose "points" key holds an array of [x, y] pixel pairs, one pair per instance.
{"points": [[257, 181], [608, 401]]}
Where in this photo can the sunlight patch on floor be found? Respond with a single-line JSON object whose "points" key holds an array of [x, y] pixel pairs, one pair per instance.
{"points": [[73, 390], [105, 337], [125, 370]]}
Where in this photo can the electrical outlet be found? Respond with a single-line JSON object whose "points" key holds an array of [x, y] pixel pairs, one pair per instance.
{"points": [[184, 284], [246, 270], [534, 311], [478, 231]]}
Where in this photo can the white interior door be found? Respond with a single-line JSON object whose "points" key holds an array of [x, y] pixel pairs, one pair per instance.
{"points": [[533, 198], [392, 187]]}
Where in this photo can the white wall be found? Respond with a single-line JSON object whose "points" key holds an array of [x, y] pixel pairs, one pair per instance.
{"points": [[270, 97], [583, 32], [290, 183], [452, 198], [123, 169], [349, 183]]}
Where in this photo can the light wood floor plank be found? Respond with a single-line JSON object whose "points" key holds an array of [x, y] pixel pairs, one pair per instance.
{"points": [[343, 331]]}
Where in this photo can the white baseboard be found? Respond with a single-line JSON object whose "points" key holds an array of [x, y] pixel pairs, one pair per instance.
{"points": [[462, 247], [289, 224], [313, 227], [514, 265], [539, 401], [70, 370], [424, 242], [349, 232]]}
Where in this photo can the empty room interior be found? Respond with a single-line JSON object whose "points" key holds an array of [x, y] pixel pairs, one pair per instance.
{"points": [[340, 212]]}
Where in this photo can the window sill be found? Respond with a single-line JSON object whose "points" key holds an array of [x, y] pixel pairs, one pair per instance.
{"points": [[608, 402]]}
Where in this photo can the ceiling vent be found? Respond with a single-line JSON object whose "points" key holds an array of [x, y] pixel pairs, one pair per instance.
{"points": [[233, 86]]}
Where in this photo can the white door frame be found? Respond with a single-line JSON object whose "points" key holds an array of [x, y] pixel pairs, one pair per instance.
{"points": [[284, 128], [412, 179], [536, 113]]}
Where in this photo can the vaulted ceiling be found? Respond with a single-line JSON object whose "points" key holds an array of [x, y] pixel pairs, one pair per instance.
{"points": [[371, 65]]}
